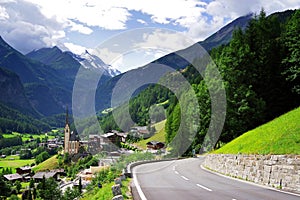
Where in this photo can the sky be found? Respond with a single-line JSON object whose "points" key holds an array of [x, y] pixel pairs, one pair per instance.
{"points": [[79, 25]]}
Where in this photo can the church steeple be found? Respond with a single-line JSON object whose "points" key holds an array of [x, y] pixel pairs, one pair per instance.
{"points": [[67, 133], [67, 116]]}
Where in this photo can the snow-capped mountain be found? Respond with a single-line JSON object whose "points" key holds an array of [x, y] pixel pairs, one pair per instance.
{"points": [[87, 60]]}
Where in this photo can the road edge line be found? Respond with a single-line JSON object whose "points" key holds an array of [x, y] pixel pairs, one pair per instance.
{"points": [[138, 187]]}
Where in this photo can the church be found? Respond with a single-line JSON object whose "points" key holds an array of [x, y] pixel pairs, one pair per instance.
{"points": [[71, 141]]}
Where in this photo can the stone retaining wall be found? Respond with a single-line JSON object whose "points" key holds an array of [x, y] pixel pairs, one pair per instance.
{"points": [[279, 171]]}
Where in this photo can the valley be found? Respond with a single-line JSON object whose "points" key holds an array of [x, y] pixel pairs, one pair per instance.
{"points": [[50, 151]]}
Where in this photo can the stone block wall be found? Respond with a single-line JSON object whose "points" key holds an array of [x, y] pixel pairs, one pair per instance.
{"points": [[278, 171]]}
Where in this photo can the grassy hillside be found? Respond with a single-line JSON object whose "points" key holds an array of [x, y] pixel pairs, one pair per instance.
{"points": [[280, 136], [49, 164], [159, 135]]}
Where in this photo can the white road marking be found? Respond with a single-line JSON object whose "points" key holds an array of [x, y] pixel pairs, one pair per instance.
{"points": [[138, 187], [176, 172], [174, 167], [203, 187], [185, 178]]}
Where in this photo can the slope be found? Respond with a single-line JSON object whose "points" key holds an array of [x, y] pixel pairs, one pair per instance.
{"points": [[279, 136]]}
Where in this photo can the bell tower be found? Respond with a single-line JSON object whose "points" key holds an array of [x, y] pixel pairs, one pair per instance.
{"points": [[67, 133]]}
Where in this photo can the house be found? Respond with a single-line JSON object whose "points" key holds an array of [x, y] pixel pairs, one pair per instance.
{"points": [[24, 170], [140, 132], [13, 177], [155, 145], [110, 137], [40, 175], [94, 144]]}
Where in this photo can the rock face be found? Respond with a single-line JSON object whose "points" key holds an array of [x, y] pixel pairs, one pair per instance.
{"points": [[279, 171]]}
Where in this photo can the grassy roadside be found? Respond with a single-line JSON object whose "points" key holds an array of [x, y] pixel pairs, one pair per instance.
{"points": [[105, 192], [279, 136]]}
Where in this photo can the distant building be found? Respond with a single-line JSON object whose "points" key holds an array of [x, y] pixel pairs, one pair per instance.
{"points": [[71, 141], [140, 132], [155, 145], [95, 144], [40, 175], [13, 177], [24, 170]]}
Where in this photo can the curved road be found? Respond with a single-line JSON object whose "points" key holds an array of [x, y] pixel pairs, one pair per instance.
{"points": [[185, 179]]}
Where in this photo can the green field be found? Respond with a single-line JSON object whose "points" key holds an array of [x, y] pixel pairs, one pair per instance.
{"points": [[14, 162], [280, 136], [49, 164], [159, 135], [26, 136]]}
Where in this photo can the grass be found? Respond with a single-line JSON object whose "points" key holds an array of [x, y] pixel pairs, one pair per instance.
{"points": [[14, 162], [105, 192], [280, 136], [49, 164], [158, 136], [26, 136]]}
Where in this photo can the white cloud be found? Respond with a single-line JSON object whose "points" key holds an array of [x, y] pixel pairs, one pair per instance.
{"points": [[29, 24], [74, 48], [3, 14], [141, 21], [164, 40], [80, 28], [25, 28]]}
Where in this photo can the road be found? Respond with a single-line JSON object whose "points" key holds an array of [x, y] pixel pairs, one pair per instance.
{"points": [[185, 179]]}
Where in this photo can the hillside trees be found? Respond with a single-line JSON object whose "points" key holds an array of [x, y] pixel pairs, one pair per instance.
{"points": [[291, 42], [254, 69]]}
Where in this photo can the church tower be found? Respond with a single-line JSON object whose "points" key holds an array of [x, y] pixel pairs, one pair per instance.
{"points": [[67, 133]]}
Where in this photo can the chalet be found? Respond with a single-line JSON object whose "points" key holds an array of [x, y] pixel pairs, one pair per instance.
{"points": [[24, 170], [155, 145], [40, 175], [110, 137], [13, 177]]}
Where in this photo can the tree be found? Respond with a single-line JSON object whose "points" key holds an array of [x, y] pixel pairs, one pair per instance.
{"points": [[291, 63], [42, 157], [5, 189], [48, 189], [18, 186], [31, 183]]}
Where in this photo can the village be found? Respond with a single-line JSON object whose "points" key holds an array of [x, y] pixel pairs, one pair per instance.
{"points": [[110, 145]]}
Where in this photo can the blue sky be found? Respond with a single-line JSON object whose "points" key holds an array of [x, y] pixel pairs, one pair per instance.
{"points": [[85, 24]]}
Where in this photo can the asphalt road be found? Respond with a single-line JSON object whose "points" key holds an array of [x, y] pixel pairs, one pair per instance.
{"points": [[185, 179]]}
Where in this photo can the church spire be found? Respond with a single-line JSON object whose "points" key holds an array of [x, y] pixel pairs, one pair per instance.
{"points": [[67, 116]]}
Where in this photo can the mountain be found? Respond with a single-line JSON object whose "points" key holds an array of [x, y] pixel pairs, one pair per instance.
{"points": [[68, 63], [221, 37], [89, 61], [48, 74], [13, 93]]}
